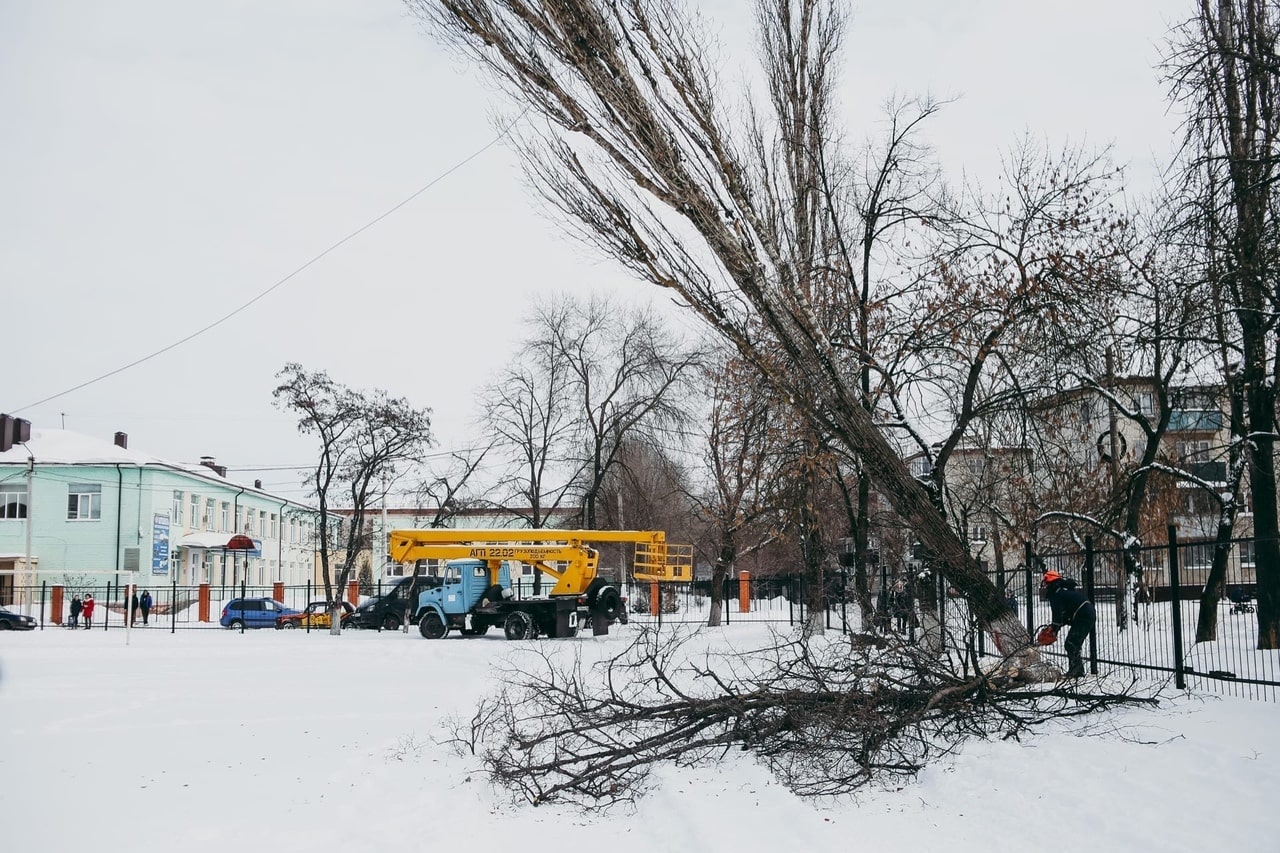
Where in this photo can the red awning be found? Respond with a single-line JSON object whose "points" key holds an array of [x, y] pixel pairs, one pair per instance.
{"points": [[240, 542]]}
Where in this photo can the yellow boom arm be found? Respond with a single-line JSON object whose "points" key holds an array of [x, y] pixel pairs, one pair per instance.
{"points": [[563, 554]]}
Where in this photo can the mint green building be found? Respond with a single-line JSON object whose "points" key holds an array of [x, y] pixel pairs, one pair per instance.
{"points": [[76, 509]]}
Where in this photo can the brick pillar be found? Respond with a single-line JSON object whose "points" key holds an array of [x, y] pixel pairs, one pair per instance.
{"points": [[744, 592], [353, 592], [55, 605], [655, 598], [204, 602], [277, 591]]}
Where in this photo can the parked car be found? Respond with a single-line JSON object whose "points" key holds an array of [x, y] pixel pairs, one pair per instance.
{"points": [[10, 621], [316, 615], [392, 607], [253, 613]]}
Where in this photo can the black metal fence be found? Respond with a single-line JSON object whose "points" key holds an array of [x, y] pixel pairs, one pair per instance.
{"points": [[1150, 626]]}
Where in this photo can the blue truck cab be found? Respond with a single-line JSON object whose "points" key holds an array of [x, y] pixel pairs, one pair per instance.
{"points": [[476, 595]]}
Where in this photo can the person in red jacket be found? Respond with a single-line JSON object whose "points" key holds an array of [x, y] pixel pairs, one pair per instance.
{"points": [[88, 611]]}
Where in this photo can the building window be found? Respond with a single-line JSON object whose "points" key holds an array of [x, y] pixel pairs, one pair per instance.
{"points": [[225, 519], [13, 502], [84, 502], [177, 509], [195, 511], [977, 465], [1144, 403], [208, 513], [1191, 451], [274, 526], [262, 522]]}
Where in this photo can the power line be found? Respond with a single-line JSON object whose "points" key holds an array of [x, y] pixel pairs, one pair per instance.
{"points": [[291, 275]]}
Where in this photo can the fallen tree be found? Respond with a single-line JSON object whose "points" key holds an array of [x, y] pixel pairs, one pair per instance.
{"points": [[825, 716]]}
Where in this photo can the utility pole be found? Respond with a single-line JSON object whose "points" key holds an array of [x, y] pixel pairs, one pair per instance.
{"points": [[31, 480], [385, 539]]}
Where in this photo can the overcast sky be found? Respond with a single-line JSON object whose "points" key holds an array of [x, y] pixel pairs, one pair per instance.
{"points": [[163, 162]]}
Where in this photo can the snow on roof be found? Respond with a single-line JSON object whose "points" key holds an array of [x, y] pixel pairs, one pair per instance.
{"points": [[64, 447]]}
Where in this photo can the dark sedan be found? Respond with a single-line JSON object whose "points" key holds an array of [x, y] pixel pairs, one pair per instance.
{"points": [[10, 621]]}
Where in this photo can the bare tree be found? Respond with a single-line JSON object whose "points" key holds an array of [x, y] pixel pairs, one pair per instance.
{"points": [[365, 438], [741, 454], [528, 419], [625, 377], [1222, 68], [635, 150]]}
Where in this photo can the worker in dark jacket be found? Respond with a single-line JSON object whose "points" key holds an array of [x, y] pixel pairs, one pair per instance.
{"points": [[1070, 607]]}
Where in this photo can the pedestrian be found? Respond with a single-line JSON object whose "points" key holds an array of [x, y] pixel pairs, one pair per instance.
{"points": [[901, 605], [145, 602], [1012, 602], [76, 605], [134, 607], [1070, 607], [88, 611]]}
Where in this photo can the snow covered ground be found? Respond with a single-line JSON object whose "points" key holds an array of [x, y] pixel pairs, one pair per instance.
{"points": [[209, 740]]}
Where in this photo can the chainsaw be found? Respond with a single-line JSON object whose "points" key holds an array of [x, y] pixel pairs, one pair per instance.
{"points": [[1046, 635]]}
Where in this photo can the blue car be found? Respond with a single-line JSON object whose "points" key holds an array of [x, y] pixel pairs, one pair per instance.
{"points": [[253, 613]]}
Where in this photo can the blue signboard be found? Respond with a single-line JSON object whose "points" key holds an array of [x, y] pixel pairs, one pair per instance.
{"points": [[160, 544]]}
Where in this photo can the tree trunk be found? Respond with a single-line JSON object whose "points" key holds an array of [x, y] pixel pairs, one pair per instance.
{"points": [[724, 562]]}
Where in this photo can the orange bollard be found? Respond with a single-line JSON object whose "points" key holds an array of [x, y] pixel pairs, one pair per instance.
{"points": [[277, 591], [204, 602], [744, 592], [353, 592], [655, 598], [55, 605]]}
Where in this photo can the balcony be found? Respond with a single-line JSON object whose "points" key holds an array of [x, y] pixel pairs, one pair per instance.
{"points": [[1210, 472], [1195, 420]]}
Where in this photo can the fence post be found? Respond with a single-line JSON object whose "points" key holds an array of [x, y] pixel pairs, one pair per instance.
{"points": [[56, 615], [941, 593], [173, 608], [1028, 591], [844, 599], [203, 606], [44, 589], [744, 592], [277, 591], [655, 604], [1088, 591], [1175, 592], [726, 587]]}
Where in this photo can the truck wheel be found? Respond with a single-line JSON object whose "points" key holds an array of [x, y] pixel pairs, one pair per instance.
{"points": [[431, 626], [609, 602], [391, 623], [518, 626]]}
